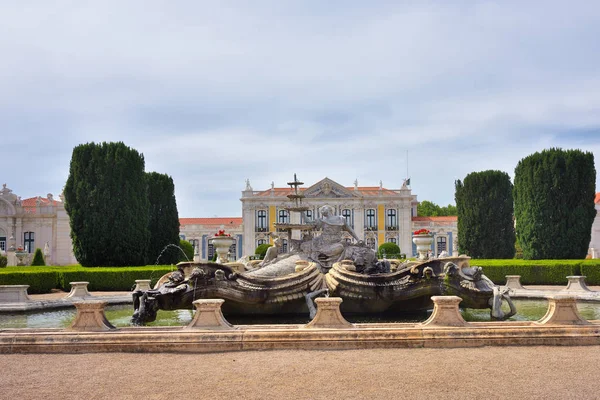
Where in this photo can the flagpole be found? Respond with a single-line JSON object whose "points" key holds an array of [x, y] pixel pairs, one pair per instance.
{"points": [[406, 164]]}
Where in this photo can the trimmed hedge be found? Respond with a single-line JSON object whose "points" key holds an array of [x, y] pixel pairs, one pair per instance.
{"points": [[540, 272], [44, 279]]}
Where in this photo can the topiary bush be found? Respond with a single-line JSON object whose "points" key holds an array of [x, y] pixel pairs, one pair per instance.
{"points": [[388, 250], [261, 250], [38, 258], [3, 261]]}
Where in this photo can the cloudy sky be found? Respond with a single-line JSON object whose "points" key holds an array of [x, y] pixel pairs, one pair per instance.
{"points": [[214, 93]]}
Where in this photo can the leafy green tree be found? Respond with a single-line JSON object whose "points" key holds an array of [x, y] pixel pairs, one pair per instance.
{"points": [[389, 250], [485, 215], [164, 219], [188, 249], [427, 208], [554, 203], [106, 197], [38, 257], [261, 250]]}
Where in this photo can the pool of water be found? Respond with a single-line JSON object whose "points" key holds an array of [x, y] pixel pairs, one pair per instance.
{"points": [[120, 316]]}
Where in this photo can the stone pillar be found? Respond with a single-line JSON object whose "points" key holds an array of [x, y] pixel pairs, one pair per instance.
{"points": [[577, 284], [445, 312], [142, 284], [562, 310], [90, 317], [14, 294], [513, 282], [209, 315], [79, 289], [328, 314]]}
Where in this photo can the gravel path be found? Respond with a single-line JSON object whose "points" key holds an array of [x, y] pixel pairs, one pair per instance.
{"points": [[478, 373]]}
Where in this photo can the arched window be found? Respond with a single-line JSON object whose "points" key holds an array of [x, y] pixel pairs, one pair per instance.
{"points": [[392, 220], [370, 221], [260, 241], [261, 221]]}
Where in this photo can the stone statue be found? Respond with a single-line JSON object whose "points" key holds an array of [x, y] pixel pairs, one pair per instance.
{"points": [[272, 251]]}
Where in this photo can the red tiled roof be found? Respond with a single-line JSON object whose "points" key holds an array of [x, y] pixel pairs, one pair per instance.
{"points": [[226, 221], [30, 205], [597, 199], [451, 218]]}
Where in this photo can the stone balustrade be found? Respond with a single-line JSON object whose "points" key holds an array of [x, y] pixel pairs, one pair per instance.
{"points": [[562, 310], [576, 284], [445, 312], [513, 282]]}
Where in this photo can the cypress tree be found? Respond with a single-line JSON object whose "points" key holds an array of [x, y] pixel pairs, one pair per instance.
{"points": [[164, 219], [38, 258], [106, 199], [485, 215], [554, 203]]}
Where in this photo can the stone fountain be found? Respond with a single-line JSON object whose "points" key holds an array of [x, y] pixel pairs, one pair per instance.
{"points": [[321, 264]]}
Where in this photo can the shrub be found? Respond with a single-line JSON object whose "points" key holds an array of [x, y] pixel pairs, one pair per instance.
{"points": [[485, 215], [532, 272], [554, 204], [164, 219], [188, 249], [3, 261], [591, 270], [106, 197], [388, 250], [38, 258], [261, 250]]}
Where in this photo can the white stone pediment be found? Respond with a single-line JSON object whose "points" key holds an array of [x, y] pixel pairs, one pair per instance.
{"points": [[326, 188], [6, 208]]}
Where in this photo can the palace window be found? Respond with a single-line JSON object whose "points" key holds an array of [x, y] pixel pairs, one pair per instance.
{"points": [[232, 255], [441, 244], [284, 246], [261, 221], [211, 251], [260, 241], [392, 220], [393, 240], [347, 214], [3, 243], [284, 217], [370, 222], [29, 241]]}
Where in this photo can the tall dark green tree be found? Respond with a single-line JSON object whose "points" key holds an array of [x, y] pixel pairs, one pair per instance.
{"points": [[485, 215], [427, 208], [106, 197], [164, 219], [554, 203]]}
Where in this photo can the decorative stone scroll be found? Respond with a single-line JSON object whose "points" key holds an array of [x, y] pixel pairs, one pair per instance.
{"points": [[79, 289], [90, 317], [328, 314], [445, 312], [209, 315], [513, 282], [577, 284], [562, 310]]}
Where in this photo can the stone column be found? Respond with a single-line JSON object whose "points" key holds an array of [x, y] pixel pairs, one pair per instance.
{"points": [[142, 284], [79, 289], [209, 315], [445, 312], [14, 294], [577, 284], [513, 282], [90, 317], [328, 314], [562, 310]]}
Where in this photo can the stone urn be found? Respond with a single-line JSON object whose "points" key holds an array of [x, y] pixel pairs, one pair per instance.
{"points": [[21, 255], [423, 243], [221, 245]]}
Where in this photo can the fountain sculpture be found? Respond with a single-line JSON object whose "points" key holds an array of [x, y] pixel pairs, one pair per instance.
{"points": [[321, 265]]}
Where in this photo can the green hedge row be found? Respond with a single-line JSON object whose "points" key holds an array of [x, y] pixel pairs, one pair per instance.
{"points": [[44, 279], [540, 272]]}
